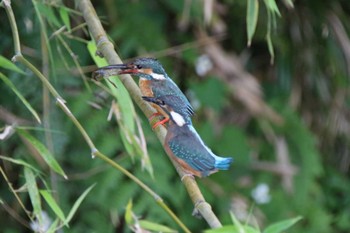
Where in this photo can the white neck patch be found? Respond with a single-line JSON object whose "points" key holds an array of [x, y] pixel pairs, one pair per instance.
{"points": [[157, 76], [179, 120]]}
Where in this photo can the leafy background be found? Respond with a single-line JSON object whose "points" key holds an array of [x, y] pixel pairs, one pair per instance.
{"points": [[280, 107]]}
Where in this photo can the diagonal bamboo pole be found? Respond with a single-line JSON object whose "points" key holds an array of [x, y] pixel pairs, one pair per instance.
{"points": [[61, 103], [105, 47]]}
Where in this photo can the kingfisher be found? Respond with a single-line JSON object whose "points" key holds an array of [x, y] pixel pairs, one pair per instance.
{"points": [[183, 143], [153, 82]]}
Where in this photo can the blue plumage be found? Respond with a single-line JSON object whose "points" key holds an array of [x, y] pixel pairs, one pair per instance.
{"points": [[154, 81], [186, 146], [161, 88], [182, 141]]}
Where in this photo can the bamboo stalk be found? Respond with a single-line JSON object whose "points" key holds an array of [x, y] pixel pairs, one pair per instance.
{"points": [[105, 47], [62, 104]]}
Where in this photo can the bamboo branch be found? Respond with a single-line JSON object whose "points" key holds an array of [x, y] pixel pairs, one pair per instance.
{"points": [[61, 103], [16, 195], [105, 47]]}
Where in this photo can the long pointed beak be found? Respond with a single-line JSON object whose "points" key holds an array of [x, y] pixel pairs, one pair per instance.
{"points": [[153, 100], [112, 70], [149, 99], [115, 67], [129, 71]]}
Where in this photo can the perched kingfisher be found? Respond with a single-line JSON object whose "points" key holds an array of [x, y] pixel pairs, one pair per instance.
{"points": [[153, 82], [183, 143]]}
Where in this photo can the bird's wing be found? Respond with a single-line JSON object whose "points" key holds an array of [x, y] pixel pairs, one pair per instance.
{"points": [[179, 104], [192, 152], [184, 100], [189, 108]]}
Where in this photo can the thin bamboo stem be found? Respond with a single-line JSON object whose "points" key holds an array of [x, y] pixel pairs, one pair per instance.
{"points": [[61, 103], [105, 47]]}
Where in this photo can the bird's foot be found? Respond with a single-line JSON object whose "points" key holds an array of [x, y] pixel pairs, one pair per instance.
{"points": [[162, 122], [154, 115]]}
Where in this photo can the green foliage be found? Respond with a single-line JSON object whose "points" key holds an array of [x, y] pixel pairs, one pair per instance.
{"points": [[33, 192], [281, 226], [24, 101], [5, 63], [76, 205], [278, 227], [53, 204], [136, 225], [19, 162], [126, 116], [252, 18], [43, 151], [215, 88]]}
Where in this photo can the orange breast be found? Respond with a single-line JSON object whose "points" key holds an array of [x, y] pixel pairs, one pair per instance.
{"points": [[147, 91], [145, 87]]}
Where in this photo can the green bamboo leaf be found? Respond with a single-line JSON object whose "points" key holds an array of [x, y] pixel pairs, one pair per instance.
{"points": [[33, 192], [127, 114], [7, 64], [49, 13], [268, 36], [122, 95], [133, 147], [19, 162], [65, 17], [53, 227], [151, 226], [144, 157], [128, 213], [282, 225], [289, 3], [53, 204], [77, 204], [270, 47], [252, 18], [127, 144], [238, 225], [20, 96], [44, 152], [233, 229], [272, 6]]}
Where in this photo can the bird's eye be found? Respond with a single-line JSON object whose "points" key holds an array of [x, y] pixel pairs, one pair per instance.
{"points": [[138, 66]]}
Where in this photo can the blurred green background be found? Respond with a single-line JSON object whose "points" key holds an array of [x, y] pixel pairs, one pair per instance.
{"points": [[279, 107]]}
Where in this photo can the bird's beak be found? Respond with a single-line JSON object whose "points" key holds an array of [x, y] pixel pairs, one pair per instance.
{"points": [[129, 69], [107, 71], [153, 100], [150, 99]]}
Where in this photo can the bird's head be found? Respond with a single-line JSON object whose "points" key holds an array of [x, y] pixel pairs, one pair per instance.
{"points": [[147, 68]]}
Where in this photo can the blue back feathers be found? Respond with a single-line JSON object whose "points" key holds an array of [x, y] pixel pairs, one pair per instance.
{"points": [[187, 145]]}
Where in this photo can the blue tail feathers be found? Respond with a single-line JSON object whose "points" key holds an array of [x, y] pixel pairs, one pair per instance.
{"points": [[222, 163]]}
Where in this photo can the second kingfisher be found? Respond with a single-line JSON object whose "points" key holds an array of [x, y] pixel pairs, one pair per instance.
{"points": [[183, 143]]}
